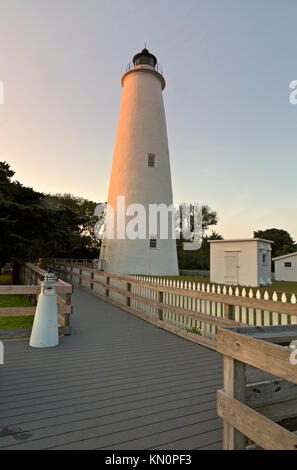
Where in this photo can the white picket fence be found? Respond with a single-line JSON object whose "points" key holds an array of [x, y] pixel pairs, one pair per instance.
{"points": [[249, 316]]}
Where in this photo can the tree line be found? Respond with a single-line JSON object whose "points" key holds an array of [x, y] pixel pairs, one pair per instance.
{"points": [[34, 224]]}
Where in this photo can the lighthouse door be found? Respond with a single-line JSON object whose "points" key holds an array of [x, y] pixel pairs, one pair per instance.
{"points": [[231, 267]]}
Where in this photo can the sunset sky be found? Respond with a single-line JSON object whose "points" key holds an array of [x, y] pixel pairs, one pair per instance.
{"points": [[228, 65]]}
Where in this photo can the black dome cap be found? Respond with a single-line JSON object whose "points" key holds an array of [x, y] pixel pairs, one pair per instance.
{"points": [[145, 57]]}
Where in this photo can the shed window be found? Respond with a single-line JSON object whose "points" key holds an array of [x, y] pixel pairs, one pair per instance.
{"points": [[153, 241], [151, 160], [288, 264]]}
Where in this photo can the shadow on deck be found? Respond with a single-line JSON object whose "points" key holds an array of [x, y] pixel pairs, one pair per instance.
{"points": [[116, 383]]}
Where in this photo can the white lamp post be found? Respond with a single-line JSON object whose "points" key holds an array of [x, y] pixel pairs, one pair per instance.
{"points": [[45, 326]]}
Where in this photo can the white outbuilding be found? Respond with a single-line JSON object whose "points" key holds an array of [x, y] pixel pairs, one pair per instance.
{"points": [[245, 262], [286, 267]]}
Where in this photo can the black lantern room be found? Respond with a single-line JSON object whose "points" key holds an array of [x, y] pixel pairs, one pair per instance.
{"points": [[144, 57]]}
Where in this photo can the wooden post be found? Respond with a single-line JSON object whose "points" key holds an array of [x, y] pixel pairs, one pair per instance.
{"points": [[34, 297], [128, 300], [160, 301], [107, 290], [80, 274], [228, 312], [30, 297], [91, 283], [16, 272], [234, 385], [67, 315], [27, 280]]}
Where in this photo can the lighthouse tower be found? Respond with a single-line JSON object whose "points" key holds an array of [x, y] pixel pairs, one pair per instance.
{"points": [[141, 172]]}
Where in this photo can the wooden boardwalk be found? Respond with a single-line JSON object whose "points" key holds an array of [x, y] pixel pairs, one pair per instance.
{"points": [[116, 383]]}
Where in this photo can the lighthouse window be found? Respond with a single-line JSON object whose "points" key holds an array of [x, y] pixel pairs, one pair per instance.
{"points": [[151, 160], [153, 242]]}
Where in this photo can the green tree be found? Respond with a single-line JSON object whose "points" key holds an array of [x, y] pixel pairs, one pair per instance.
{"points": [[84, 210], [31, 227], [199, 259], [5, 173], [282, 244]]}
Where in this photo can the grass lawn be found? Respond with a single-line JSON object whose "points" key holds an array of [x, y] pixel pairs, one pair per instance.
{"points": [[284, 286], [5, 279], [15, 300], [14, 323]]}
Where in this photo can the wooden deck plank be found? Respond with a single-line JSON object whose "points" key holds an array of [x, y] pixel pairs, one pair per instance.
{"points": [[146, 437], [117, 382], [104, 426], [88, 411], [169, 368], [132, 408], [191, 441]]}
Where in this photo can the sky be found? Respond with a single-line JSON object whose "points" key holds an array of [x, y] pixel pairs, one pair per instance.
{"points": [[228, 65]]}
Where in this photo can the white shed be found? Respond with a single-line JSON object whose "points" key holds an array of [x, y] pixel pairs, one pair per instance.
{"points": [[286, 267], [244, 262]]}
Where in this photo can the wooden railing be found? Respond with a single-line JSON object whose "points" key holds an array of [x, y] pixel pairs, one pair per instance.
{"points": [[182, 309], [29, 278], [256, 415], [42, 262]]}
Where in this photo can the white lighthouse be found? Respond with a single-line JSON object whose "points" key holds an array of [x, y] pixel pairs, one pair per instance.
{"points": [[141, 172]]}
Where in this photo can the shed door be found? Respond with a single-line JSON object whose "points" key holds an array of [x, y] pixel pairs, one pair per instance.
{"points": [[231, 267]]}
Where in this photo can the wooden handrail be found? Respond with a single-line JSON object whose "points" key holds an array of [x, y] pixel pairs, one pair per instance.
{"points": [[158, 300], [261, 304], [33, 289], [254, 410]]}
